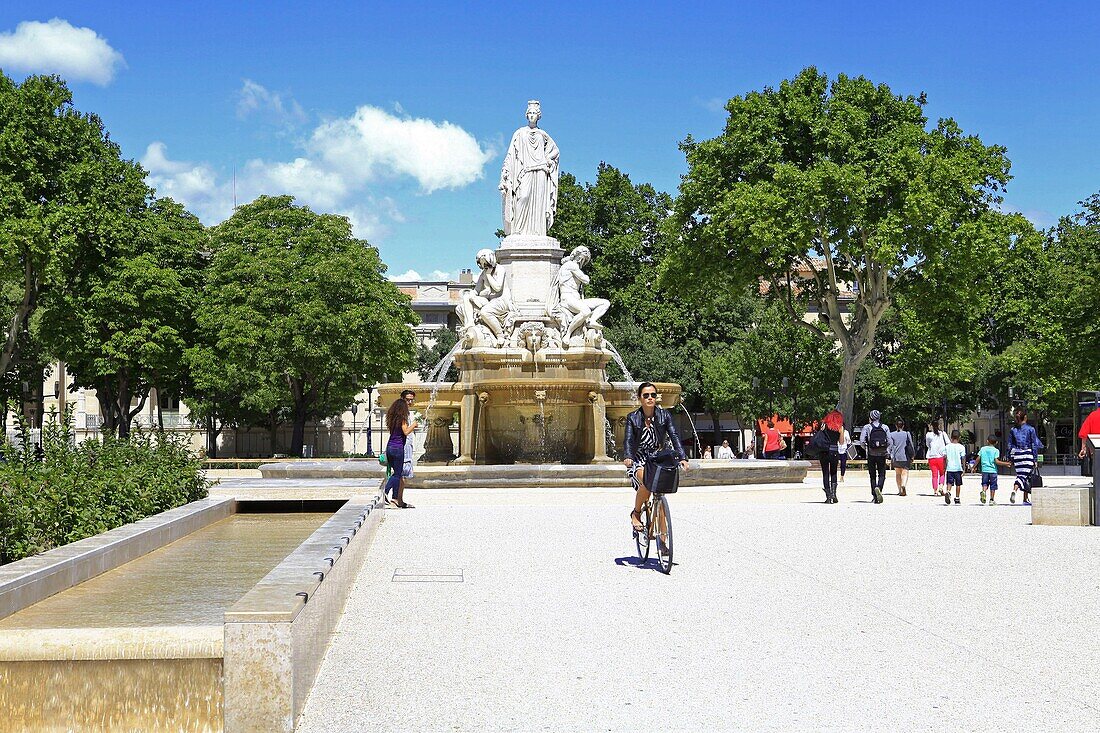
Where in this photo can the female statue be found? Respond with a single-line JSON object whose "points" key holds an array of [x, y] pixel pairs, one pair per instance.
{"points": [[489, 302], [529, 178]]}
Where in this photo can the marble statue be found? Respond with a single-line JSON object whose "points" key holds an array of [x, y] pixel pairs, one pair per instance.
{"points": [[489, 303], [578, 318], [529, 178]]}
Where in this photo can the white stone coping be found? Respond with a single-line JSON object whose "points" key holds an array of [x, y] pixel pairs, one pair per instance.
{"points": [[277, 634], [281, 595], [28, 581]]}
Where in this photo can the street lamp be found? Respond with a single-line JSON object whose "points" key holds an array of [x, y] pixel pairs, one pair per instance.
{"points": [[370, 421], [354, 432]]}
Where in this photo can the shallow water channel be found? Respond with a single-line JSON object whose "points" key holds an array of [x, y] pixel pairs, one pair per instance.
{"points": [[171, 601], [190, 582]]}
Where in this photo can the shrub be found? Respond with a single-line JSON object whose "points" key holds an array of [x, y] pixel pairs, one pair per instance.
{"points": [[66, 491]]}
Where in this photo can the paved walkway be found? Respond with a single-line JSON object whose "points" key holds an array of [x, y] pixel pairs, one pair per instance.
{"points": [[782, 613]]}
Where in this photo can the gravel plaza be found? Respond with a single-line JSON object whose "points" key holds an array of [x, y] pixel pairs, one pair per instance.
{"points": [[529, 610]]}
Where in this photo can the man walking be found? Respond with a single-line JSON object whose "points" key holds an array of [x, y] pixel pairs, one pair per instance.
{"points": [[876, 439]]}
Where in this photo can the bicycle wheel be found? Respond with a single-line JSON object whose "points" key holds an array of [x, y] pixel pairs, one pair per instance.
{"points": [[641, 539], [662, 531]]}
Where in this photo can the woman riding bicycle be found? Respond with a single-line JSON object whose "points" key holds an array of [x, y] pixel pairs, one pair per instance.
{"points": [[648, 429]]}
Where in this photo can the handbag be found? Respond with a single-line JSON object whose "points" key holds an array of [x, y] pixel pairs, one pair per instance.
{"points": [[662, 472], [782, 443], [817, 446], [910, 449], [1035, 479]]}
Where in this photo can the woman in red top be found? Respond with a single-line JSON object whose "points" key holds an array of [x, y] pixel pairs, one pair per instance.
{"points": [[772, 442], [1091, 426]]}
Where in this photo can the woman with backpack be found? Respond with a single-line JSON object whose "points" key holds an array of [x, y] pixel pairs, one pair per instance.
{"points": [[901, 450], [936, 440]]}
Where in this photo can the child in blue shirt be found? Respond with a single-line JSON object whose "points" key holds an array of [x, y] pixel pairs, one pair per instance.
{"points": [[989, 457], [956, 454]]}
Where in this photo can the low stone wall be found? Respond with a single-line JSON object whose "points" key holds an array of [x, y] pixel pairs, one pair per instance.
{"points": [[550, 475], [276, 636]]}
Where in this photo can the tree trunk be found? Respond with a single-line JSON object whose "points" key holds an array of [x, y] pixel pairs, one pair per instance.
{"points": [[123, 407], [299, 432], [160, 409], [717, 429], [105, 395], [9, 355], [212, 436], [848, 372]]}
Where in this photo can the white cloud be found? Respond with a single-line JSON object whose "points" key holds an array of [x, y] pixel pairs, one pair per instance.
{"points": [[372, 144], [254, 98], [440, 275], [192, 184], [301, 178], [341, 159], [407, 276], [56, 47]]}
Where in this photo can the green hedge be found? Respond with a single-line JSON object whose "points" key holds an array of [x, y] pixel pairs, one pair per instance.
{"points": [[69, 491]]}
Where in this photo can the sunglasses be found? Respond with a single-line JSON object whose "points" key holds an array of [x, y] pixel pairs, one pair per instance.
{"points": [[410, 399], [649, 395]]}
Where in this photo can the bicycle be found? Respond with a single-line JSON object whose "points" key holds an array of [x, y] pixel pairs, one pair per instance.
{"points": [[656, 529]]}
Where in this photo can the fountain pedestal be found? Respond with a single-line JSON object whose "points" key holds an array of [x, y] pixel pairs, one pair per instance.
{"points": [[532, 263]]}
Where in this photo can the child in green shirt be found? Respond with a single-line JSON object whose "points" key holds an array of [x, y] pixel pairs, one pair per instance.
{"points": [[989, 457]]}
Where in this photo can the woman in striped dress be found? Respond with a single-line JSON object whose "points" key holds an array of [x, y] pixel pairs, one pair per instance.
{"points": [[1023, 448], [648, 429]]}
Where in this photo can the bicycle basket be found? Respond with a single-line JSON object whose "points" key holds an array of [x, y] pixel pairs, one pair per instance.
{"points": [[666, 479]]}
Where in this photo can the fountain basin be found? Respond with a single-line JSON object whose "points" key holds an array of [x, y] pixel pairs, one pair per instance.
{"points": [[510, 412], [166, 623]]}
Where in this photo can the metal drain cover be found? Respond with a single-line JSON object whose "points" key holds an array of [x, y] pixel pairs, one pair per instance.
{"points": [[428, 575]]}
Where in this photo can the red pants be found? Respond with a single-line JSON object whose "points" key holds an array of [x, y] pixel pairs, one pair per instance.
{"points": [[937, 466]]}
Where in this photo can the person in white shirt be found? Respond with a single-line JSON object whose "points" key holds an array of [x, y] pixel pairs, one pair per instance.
{"points": [[843, 446], [955, 458], [724, 451], [936, 440]]}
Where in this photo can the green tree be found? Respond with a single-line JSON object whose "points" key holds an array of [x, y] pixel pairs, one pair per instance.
{"points": [[297, 313], [124, 322], [776, 368], [66, 198], [1075, 254], [660, 334], [428, 356], [844, 181]]}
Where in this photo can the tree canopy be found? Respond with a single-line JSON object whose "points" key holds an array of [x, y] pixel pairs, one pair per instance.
{"points": [[125, 328], [298, 313], [843, 181], [67, 198]]}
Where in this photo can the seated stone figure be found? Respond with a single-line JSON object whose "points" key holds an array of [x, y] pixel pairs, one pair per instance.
{"points": [[578, 318], [489, 303]]}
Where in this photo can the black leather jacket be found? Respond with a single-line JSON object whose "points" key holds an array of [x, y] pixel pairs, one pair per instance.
{"points": [[664, 430]]}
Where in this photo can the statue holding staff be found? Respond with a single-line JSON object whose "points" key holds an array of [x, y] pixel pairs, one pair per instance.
{"points": [[529, 178]]}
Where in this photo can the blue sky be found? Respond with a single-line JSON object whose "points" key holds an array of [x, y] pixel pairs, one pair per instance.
{"points": [[397, 114]]}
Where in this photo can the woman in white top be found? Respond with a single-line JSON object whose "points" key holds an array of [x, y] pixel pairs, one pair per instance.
{"points": [[936, 440], [843, 445]]}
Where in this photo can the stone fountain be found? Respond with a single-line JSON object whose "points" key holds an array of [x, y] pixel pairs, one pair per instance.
{"points": [[531, 350], [533, 387]]}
